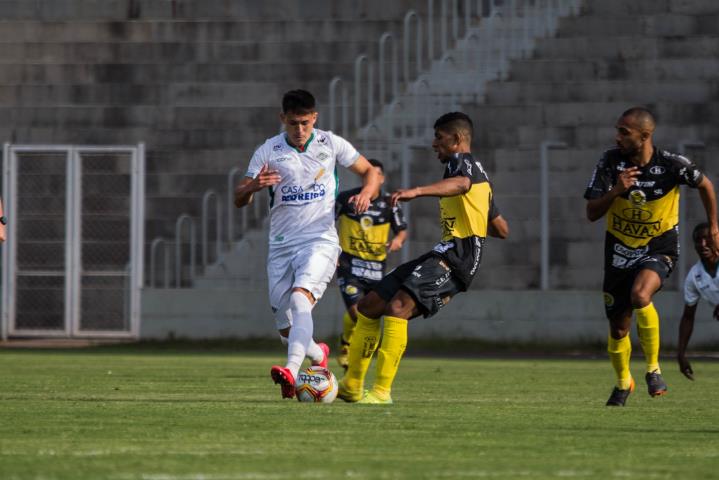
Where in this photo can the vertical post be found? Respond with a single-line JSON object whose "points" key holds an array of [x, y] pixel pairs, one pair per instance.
{"points": [[137, 269], [682, 261], [7, 281], [74, 261], [544, 209], [404, 179], [358, 88]]}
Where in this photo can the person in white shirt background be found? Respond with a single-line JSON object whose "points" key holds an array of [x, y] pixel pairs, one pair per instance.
{"points": [[702, 282]]}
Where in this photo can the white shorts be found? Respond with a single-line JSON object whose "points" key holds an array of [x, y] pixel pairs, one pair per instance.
{"points": [[309, 266]]}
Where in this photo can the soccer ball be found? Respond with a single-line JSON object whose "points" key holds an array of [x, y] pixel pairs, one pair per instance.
{"points": [[316, 384]]}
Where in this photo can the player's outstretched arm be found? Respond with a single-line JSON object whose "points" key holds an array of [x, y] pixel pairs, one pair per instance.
{"points": [[686, 326], [248, 186], [498, 227], [370, 184], [448, 187], [708, 196], [597, 207]]}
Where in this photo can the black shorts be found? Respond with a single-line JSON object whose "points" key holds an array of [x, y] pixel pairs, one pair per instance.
{"points": [[618, 282], [428, 279], [352, 287]]}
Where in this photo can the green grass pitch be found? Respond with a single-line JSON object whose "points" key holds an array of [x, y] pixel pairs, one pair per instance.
{"points": [[144, 414]]}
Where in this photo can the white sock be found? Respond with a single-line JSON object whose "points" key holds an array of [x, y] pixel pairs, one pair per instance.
{"points": [[314, 352], [300, 333]]}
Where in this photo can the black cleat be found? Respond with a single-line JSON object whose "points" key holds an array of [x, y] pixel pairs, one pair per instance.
{"points": [[656, 384], [619, 397]]}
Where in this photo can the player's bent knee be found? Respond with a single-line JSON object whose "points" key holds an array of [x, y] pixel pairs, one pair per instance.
{"points": [[640, 298], [401, 306], [371, 305]]}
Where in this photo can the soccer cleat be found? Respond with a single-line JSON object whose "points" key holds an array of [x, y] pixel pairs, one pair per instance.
{"points": [[326, 351], [347, 395], [656, 384], [284, 377], [619, 397], [344, 357], [372, 399]]}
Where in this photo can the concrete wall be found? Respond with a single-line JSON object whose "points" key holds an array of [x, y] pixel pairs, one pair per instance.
{"points": [[557, 317]]}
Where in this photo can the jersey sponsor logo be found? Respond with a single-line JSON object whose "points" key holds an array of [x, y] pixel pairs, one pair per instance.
{"points": [[443, 279], [362, 245], [281, 159], [645, 184], [635, 229], [637, 214], [322, 156], [296, 193], [657, 170], [631, 252], [322, 139], [448, 224], [367, 273], [351, 290], [277, 147], [366, 222], [358, 262]]}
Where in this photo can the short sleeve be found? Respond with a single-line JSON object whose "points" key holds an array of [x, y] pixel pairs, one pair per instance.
{"points": [[600, 183], [687, 171], [691, 292], [398, 222], [345, 154], [493, 209], [259, 158]]}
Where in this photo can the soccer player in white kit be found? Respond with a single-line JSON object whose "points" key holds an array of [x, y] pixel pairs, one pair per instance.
{"points": [[702, 282], [299, 168]]}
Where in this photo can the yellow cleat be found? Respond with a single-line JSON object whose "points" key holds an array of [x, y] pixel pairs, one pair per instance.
{"points": [[372, 398], [348, 395]]}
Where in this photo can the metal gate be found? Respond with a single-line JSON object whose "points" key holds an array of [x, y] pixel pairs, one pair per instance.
{"points": [[73, 257]]}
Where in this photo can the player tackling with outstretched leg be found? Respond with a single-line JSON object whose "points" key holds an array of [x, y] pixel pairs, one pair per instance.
{"points": [[298, 167]]}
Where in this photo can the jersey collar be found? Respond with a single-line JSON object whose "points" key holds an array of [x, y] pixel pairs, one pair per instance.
{"points": [[303, 148]]}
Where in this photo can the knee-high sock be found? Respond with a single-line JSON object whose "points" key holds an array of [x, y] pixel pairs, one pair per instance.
{"points": [[364, 343], [348, 327], [300, 333], [620, 351], [648, 329], [394, 342], [314, 352]]}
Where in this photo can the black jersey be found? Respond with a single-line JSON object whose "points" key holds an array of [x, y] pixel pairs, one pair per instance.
{"points": [[365, 235], [464, 219], [644, 219]]}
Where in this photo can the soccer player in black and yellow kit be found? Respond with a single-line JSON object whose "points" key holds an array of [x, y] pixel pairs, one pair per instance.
{"points": [[636, 186], [365, 242], [424, 285]]}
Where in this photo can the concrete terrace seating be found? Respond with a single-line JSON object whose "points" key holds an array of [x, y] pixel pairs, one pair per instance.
{"points": [[198, 82]]}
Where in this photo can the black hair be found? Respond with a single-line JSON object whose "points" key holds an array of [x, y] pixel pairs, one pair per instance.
{"points": [[644, 117], [698, 228], [298, 101], [376, 163], [455, 122]]}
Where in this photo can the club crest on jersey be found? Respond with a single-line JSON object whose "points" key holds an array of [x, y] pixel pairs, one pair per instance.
{"points": [[638, 198], [366, 222]]}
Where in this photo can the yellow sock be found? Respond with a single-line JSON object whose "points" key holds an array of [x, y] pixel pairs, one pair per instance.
{"points": [[620, 351], [648, 329], [364, 343], [394, 341], [348, 326]]}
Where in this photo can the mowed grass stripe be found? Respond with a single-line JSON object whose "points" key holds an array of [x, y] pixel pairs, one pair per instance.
{"points": [[138, 415]]}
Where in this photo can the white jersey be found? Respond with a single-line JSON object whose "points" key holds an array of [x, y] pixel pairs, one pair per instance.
{"points": [[699, 284], [302, 204]]}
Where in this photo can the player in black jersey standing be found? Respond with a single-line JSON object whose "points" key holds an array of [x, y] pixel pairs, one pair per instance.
{"points": [[636, 186], [365, 242]]}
